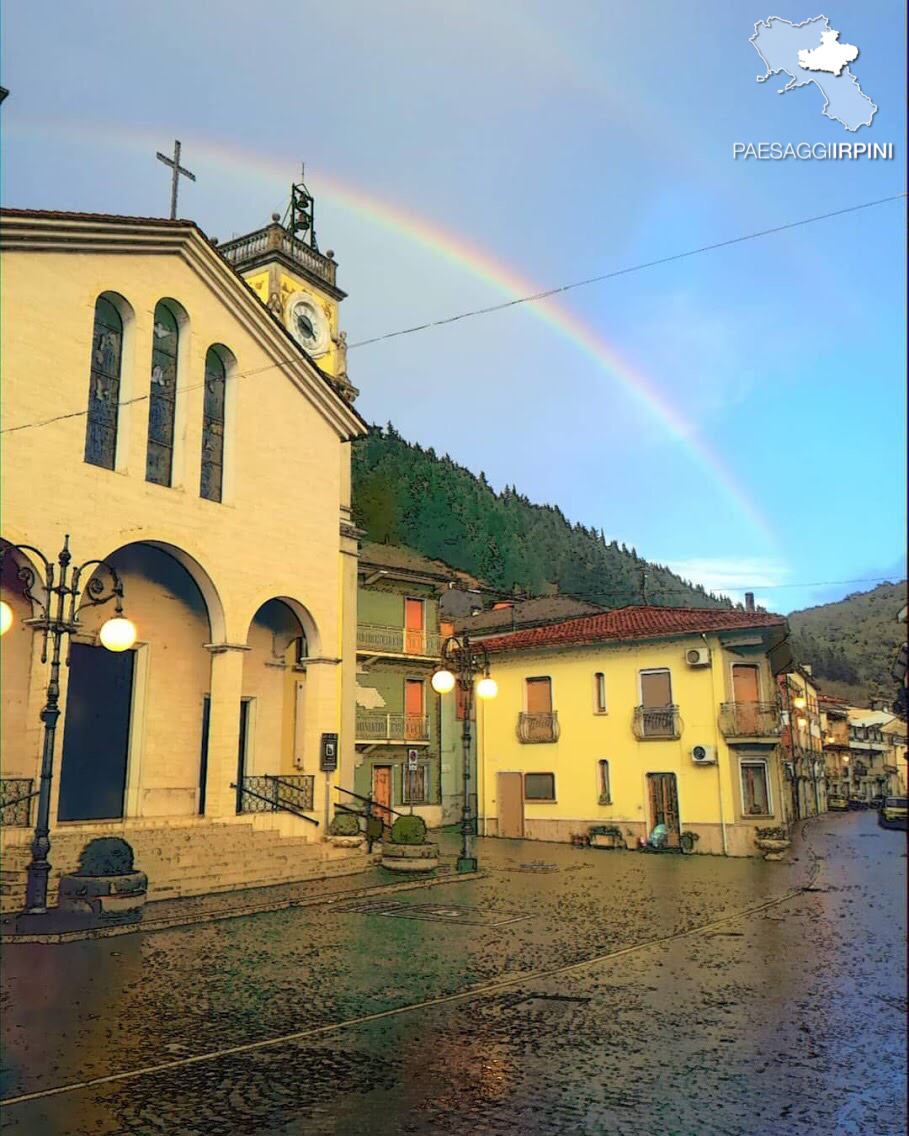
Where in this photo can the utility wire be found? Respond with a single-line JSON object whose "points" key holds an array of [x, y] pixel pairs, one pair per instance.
{"points": [[619, 272], [492, 308]]}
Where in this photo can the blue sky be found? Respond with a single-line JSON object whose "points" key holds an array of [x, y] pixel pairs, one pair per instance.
{"points": [[561, 141]]}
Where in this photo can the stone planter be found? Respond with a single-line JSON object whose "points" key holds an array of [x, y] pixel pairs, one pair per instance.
{"points": [[606, 840], [773, 848], [347, 841], [410, 857], [104, 899]]}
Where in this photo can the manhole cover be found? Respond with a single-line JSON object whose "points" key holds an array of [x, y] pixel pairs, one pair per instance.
{"points": [[433, 912]]}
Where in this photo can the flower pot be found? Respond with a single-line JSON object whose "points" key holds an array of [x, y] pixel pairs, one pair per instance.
{"points": [[772, 844], [604, 840], [410, 857], [105, 899], [347, 841]]}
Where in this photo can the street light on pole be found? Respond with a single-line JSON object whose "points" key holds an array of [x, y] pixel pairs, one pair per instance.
{"points": [[56, 600], [460, 664]]}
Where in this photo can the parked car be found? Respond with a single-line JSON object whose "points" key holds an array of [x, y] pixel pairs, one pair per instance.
{"points": [[836, 803], [893, 812], [857, 803], [877, 801]]}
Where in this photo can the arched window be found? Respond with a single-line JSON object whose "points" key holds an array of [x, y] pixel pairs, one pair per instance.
{"points": [[162, 397], [104, 385], [213, 426]]}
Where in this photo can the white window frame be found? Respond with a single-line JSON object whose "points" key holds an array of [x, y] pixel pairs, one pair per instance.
{"points": [[535, 678], [746, 760], [599, 684], [601, 761], [539, 773], [654, 670], [760, 679]]}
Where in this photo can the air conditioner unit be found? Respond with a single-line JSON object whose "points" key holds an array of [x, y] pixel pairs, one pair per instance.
{"points": [[703, 755], [698, 657]]}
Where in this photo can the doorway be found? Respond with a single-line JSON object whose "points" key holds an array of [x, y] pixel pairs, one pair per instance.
{"points": [[381, 791], [96, 734], [664, 804], [242, 747], [511, 805]]}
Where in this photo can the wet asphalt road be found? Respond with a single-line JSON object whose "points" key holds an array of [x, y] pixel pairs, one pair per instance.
{"points": [[603, 992]]}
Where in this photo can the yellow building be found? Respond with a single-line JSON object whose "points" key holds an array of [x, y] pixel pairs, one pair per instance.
{"points": [[633, 718], [158, 412]]}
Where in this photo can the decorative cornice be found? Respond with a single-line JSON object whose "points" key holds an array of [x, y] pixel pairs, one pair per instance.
{"points": [[220, 648]]}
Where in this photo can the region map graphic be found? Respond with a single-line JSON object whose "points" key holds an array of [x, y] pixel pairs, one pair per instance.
{"points": [[812, 53]]}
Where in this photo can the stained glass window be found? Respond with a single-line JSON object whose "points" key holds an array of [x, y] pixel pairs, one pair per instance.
{"points": [[162, 398], [213, 426], [104, 386]]}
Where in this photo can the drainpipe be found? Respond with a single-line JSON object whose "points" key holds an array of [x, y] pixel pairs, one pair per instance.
{"points": [[719, 772]]}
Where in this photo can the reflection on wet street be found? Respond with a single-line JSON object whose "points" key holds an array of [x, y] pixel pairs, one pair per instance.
{"points": [[571, 990]]}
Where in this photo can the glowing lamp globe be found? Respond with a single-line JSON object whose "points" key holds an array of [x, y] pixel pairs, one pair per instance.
{"points": [[6, 617], [802, 723], [487, 688], [118, 634], [443, 682], [800, 703]]}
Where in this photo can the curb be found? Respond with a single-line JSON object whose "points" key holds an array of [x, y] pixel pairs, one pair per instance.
{"points": [[178, 921]]}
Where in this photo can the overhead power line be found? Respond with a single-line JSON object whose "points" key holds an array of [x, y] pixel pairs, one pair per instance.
{"points": [[619, 272], [529, 299]]}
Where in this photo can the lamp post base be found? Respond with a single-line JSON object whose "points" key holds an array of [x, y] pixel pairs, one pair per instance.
{"points": [[467, 864]]}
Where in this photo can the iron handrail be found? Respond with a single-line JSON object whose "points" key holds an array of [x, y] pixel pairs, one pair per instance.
{"points": [[278, 802], [368, 800]]}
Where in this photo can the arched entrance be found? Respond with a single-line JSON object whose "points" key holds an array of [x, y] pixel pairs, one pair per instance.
{"points": [[19, 724], [133, 731], [273, 704]]}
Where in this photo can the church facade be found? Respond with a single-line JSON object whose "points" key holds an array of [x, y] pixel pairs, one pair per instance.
{"points": [[193, 431]]}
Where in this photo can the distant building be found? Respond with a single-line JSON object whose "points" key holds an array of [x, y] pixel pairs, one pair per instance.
{"points": [[398, 727], [803, 743]]}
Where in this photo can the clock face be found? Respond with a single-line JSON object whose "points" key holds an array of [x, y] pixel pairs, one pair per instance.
{"points": [[307, 324]]}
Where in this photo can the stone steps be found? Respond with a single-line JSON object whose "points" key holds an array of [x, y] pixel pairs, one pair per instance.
{"points": [[191, 859]]}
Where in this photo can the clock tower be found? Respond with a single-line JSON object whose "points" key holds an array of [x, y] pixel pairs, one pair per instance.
{"points": [[284, 266]]}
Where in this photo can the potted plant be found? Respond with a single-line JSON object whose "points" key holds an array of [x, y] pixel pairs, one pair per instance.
{"points": [[344, 830], [772, 841], [606, 836], [105, 888], [408, 849]]}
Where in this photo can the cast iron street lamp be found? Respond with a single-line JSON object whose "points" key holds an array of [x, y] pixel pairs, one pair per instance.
{"points": [[460, 664], [56, 619]]}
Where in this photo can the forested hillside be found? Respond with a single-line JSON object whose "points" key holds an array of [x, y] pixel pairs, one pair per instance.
{"points": [[851, 644], [403, 494]]}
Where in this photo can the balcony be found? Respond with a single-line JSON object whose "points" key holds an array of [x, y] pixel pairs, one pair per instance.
{"points": [[246, 250], [534, 728], [377, 727], [750, 720], [378, 639], [656, 723]]}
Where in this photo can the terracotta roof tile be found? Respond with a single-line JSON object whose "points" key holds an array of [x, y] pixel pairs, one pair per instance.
{"points": [[634, 623], [526, 613]]}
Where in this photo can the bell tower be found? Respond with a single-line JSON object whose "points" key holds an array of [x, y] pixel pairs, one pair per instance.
{"points": [[284, 266]]}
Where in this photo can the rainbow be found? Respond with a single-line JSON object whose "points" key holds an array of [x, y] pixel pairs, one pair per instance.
{"points": [[456, 250]]}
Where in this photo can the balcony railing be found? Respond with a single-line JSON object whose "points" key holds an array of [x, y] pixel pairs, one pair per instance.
{"points": [[397, 640], [656, 722], [274, 238], [538, 727], [750, 720], [16, 800], [377, 726]]}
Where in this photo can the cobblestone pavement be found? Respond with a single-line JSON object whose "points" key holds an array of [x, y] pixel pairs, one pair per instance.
{"points": [[570, 991]]}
